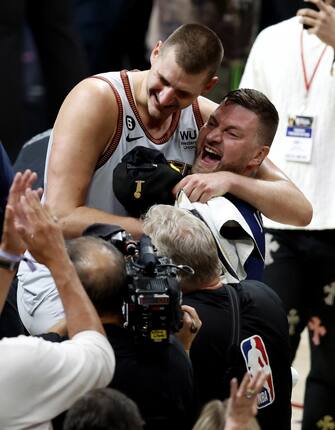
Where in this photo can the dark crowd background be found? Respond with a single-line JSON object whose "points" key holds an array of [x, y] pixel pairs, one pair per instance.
{"points": [[47, 47]]}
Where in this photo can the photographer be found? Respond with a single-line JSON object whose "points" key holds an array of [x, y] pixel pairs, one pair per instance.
{"points": [[39, 379], [158, 378], [246, 330]]}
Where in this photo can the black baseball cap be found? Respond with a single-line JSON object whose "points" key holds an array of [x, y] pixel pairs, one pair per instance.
{"points": [[143, 178]]}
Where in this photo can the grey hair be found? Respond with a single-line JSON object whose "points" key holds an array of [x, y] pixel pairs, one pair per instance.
{"points": [[178, 234]]}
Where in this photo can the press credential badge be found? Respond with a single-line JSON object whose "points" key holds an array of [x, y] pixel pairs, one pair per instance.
{"points": [[299, 138]]}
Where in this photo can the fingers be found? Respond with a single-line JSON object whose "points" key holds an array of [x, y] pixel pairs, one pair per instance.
{"points": [[194, 194], [321, 5], [176, 189], [8, 225], [233, 388], [21, 182], [312, 17], [244, 384], [251, 386], [30, 214], [201, 187], [194, 187], [31, 207], [191, 319], [27, 179]]}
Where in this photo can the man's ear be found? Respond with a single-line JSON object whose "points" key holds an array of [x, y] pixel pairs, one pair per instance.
{"points": [[155, 52], [210, 84], [257, 160], [261, 154]]}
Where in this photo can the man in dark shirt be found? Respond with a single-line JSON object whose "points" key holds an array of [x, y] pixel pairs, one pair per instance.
{"points": [[258, 318], [158, 378]]}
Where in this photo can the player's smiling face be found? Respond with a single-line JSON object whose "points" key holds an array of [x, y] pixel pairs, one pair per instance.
{"points": [[228, 141], [169, 87]]}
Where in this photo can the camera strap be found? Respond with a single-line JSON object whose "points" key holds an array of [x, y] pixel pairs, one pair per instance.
{"points": [[223, 259], [233, 349], [235, 308]]}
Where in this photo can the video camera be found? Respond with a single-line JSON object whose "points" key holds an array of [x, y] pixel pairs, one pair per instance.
{"points": [[153, 296]]}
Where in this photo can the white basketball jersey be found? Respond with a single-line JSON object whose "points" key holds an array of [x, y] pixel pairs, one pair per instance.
{"points": [[177, 144]]}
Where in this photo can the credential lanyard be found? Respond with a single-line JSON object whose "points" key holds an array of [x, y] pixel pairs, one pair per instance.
{"points": [[307, 82]]}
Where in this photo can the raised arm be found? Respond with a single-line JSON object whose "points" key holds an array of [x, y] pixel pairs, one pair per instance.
{"points": [[274, 195], [242, 403], [12, 246], [85, 125], [45, 242], [271, 192]]}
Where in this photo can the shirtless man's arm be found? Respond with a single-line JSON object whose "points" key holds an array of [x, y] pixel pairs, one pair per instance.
{"points": [[271, 192], [84, 127]]}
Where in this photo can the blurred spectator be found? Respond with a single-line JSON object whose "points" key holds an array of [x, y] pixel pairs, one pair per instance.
{"points": [[107, 29], [235, 22], [61, 57], [101, 409], [40, 379]]}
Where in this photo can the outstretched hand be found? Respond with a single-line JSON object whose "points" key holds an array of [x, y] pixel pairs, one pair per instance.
{"points": [[39, 230], [12, 241], [242, 404]]}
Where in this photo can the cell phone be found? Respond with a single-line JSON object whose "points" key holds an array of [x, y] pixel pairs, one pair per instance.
{"points": [[313, 6]]}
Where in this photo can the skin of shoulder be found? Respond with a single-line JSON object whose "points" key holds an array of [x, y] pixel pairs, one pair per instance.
{"points": [[84, 126], [207, 107]]}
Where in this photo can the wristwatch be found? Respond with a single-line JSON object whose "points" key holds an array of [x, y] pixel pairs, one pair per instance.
{"points": [[9, 265]]}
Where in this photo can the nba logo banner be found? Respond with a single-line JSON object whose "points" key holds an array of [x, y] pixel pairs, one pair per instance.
{"points": [[256, 358]]}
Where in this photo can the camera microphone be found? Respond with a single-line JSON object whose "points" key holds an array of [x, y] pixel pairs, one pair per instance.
{"points": [[147, 257]]}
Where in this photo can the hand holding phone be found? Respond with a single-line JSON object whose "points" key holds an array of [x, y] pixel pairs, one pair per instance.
{"points": [[310, 5]]}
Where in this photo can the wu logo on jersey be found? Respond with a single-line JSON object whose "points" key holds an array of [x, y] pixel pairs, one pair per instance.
{"points": [[188, 139], [256, 358], [189, 134]]}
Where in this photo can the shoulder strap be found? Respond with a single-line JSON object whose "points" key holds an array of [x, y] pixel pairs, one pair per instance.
{"points": [[235, 307], [233, 348]]}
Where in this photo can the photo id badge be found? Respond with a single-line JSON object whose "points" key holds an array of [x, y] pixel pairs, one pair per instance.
{"points": [[299, 138]]}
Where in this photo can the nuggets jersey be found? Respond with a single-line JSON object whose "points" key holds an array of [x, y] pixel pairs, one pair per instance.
{"points": [[177, 144]]}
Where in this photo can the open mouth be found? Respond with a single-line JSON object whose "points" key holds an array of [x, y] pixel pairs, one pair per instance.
{"points": [[210, 155]]}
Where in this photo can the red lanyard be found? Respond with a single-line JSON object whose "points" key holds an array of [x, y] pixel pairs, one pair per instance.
{"points": [[307, 82]]}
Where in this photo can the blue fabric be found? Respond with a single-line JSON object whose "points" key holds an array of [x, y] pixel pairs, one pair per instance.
{"points": [[254, 266], [6, 178]]}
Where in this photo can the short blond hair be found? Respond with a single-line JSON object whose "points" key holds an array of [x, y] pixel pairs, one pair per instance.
{"points": [[213, 417]]}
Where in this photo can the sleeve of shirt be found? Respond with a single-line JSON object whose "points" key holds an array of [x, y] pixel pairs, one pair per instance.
{"points": [[47, 378], [252, 75]]}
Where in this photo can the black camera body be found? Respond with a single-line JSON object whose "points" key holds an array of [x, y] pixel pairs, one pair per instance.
{"points": [[152, 300]]}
